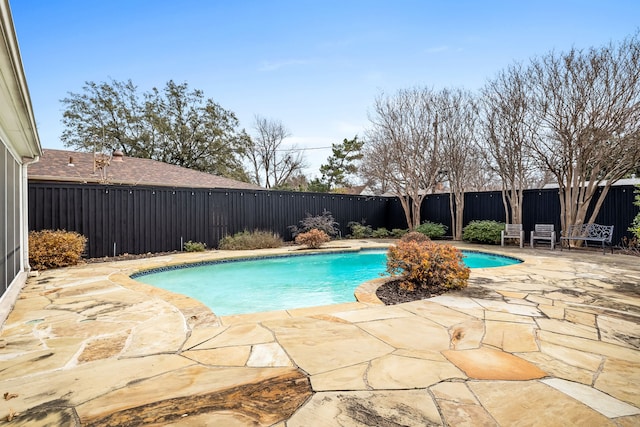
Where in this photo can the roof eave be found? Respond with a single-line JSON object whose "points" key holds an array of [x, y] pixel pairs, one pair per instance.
{"points": [[17, 121]]}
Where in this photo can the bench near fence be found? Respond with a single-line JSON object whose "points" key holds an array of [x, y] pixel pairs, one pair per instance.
{"points": [[589, 233]]}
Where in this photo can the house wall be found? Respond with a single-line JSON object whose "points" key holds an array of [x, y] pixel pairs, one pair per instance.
{"points": [[19, 145], [10, 218]]}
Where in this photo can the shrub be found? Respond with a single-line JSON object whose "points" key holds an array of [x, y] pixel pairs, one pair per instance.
{"points": [[380, 233], [483, 232], [313, 239], [431, 229], [251, 240], [414, 236], [194, 246], [324, 222], [359, 230], [635, 225], [427, 265], [51, 249], [399, 232]]}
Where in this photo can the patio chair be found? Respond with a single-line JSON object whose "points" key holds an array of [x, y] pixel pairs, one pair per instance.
{"points": [[544, 232], [512, 231]]}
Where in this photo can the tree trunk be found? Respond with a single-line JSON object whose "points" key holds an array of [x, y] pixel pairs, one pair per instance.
{"points": [[459, 216], [452, 211]]}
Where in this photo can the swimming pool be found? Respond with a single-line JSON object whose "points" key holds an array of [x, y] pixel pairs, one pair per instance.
{"points": [[284, 282]]}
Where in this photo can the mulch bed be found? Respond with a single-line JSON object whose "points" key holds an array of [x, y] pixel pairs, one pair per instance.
{"points": [[390, 293], [127, 257]]}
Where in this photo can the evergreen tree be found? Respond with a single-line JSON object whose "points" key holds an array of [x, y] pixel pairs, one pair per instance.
{"points": [[342, 164]]}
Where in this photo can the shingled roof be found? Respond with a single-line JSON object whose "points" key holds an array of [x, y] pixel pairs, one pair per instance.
{"points": [[55, 165]]}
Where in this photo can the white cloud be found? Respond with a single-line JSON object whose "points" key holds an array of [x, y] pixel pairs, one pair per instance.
{"points": [[437, 49], [350, 128], [276, 65]]}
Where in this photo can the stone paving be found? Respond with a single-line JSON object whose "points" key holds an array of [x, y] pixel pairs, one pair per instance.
{"points": [[552, 341]]}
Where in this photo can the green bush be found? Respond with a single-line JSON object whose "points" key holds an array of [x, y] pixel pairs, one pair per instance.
{"points": [[483, 232], [313, 239], [431, 229], [635, 225], [359, 231], [51, 249], [251, 240], [427, 265], [399, 232], [380, 233], [324, 222], [194, 246]]}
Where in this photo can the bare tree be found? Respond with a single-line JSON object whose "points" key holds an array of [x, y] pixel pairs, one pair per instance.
{"points": [[375, 167], [481, 177], [401, 149], [508, 131], [272, 165], [588, 103], [456, 125]]}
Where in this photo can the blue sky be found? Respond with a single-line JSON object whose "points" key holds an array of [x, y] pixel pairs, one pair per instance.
{"points": [[316, 66]]}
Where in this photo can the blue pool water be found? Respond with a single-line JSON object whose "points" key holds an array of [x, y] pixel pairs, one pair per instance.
{"points": [[280, 283]]}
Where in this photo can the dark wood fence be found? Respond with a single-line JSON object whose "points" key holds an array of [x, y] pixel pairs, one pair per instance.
{"points": [[135, 220], [539, 207]]}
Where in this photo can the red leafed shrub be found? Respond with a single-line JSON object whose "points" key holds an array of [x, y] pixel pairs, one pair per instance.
{"points": [[426, 264], [313, 238], [51, 249], [414, 236]]}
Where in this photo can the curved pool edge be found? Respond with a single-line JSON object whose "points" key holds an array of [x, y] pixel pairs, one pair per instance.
{"points": [[197, 314], [366, 292], [253, 257]]}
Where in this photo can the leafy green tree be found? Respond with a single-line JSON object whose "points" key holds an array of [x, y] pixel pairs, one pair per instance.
{"points": [[175, 125], [318, 186], [106, 116], [342, 164]]}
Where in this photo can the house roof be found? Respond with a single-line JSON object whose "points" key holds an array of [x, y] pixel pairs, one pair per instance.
{"points": [[355, 190], [620, 182], [55, 165], [17, 123]]}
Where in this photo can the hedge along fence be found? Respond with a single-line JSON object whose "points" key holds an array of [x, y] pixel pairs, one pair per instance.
{"points": [[136, 220]]}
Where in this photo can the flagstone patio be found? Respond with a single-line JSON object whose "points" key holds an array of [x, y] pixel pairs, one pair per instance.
{"points": [[552, 341]]}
